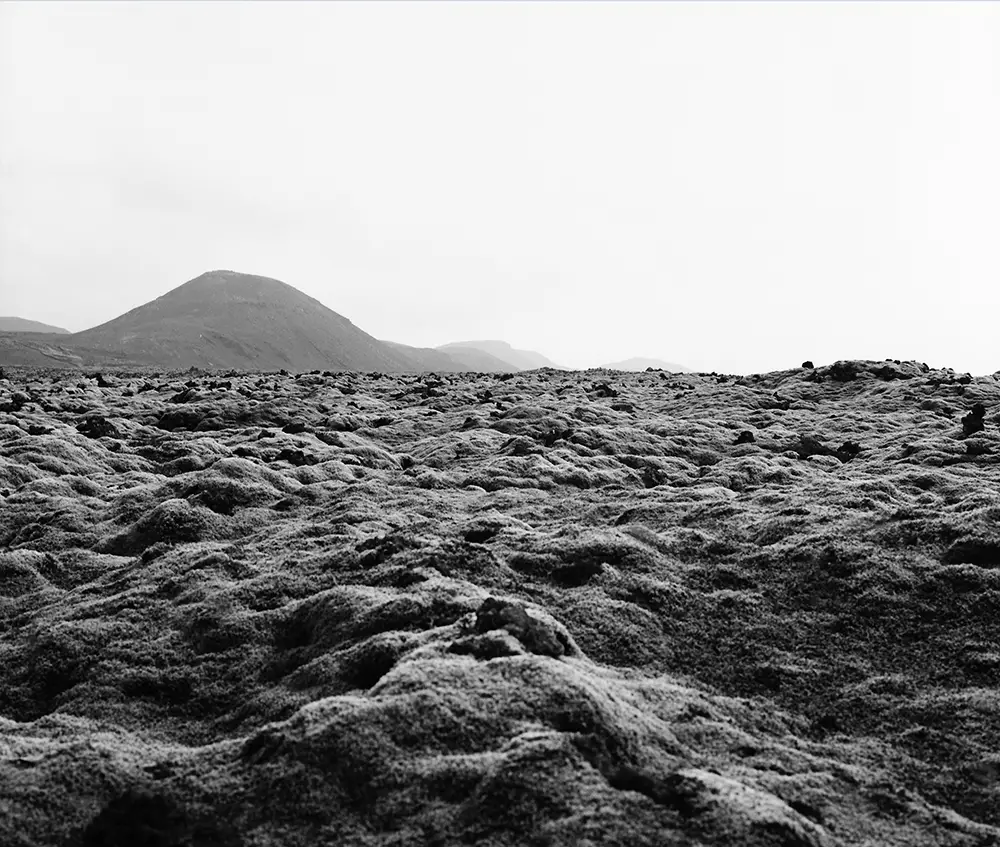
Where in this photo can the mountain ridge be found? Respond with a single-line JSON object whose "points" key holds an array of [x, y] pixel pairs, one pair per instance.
{"points": [[10, 323], [520, 359], [640, 363], [231, 320]]}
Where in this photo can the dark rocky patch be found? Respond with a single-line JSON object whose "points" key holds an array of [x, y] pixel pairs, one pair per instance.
{"points": [[97, 426], [535, 635], [973, 422]]}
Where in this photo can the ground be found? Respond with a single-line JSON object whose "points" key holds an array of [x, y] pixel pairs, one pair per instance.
{"points": [[542, 608]]}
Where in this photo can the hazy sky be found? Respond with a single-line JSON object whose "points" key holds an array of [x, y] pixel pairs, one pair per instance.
{"points": [[731, 186]]}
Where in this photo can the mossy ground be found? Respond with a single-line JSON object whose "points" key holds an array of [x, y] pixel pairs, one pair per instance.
{"points": [[556, 608]]}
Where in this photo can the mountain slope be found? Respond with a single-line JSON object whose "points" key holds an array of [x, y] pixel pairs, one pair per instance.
{"points": [[13, 324], [457, 359], [640, 364], [47, 350], [233, 320], [516, 359]]}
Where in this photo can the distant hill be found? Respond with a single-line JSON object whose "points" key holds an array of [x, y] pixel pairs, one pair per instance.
{"points": [[8, 324], [226, 319], [640, 364], [515, 359], [455, 359]]}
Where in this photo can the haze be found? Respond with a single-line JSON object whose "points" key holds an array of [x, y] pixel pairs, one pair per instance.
{"points": [[736, 187]]}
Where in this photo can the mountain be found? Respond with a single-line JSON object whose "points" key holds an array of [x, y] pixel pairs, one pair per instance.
{"points": [[226, 319], [456, 359], [10, 324], [515, 359], [640, 364]]}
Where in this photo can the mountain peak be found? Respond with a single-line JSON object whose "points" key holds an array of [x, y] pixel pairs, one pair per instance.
{"points": [[228, 319]]}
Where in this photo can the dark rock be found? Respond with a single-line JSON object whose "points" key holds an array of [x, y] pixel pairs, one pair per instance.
{"points": [[808, 365], [185, 396], [296, 457], [887, 373], [97, 426], [973, 422], [746, 437], [843, 371], [34, 429], [604, 390], [652, 477], [295, 428], [180, 419], [577, 574], [847, 451], [18, 400], [536, 636]]}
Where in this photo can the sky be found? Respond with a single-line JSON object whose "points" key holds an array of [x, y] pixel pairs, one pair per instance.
{"points": [[734, 187]]}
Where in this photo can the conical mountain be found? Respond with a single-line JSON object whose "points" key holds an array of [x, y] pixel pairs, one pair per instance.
{"points": [[226, 319]]}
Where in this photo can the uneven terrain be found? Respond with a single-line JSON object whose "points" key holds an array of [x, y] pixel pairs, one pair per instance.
{"points": [[548, 608]]}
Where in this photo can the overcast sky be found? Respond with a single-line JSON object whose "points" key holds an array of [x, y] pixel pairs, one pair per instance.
{"points": [[731, 186]]}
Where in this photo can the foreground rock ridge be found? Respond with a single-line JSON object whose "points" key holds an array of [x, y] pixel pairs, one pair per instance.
{"points": [[549, 608]]}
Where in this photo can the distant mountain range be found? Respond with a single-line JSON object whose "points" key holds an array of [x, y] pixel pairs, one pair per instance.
{"points": [[8, 324], [523, 359], [229, 320], [457, 359], [640, 364]]}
